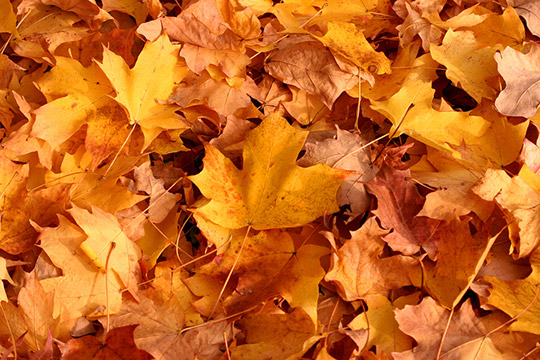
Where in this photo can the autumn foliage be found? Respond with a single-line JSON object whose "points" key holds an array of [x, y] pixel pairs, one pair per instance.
{"points": [[257, 179]]}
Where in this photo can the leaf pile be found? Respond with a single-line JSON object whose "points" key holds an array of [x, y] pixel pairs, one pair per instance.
{"points": [[253, 179]]}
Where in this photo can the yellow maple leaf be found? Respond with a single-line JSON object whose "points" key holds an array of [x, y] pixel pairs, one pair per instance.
{"points": [[82, 288], [269, 266], [270, 191], [519, 196], [103, 229], [468, 65], [142, 90], [349, 41], [514, 296]]}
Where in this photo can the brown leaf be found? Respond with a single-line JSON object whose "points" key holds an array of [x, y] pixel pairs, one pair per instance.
{"points": [[119, 345], [311, 67], [358, 269], [521, 72], [398, 203], [346, 152]]}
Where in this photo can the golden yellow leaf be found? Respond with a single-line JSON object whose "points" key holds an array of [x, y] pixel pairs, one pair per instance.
{"points": [[9, 20], [349, 41], [384, 332], [102, 230], [514, 296], [82, 288], [270, 191], [468, 65], [144, 90]]}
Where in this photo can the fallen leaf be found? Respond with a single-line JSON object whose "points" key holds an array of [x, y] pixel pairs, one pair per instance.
{"points": [[269, 266], [107, 244], [514, 296], [157, 334], [141, 92], [520, 199], [521, 72], [269, 191], [398, 203], [312, 68], [358, 270], [348, 40], [348, 152], [82, 287], [467, 64], [274, 334], [118, 345], [383, 328]]}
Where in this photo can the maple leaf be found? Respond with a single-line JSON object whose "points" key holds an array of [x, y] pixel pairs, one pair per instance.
{"points": [[118, 345], [33, 318], [270, 191], [398, 203], [269, 266], [521, 72], [349, 41], [45, 28], [274, 334], [19, 206], [88, 11], [383, 328], [219, 95], [157, 334], [81, 287], [468, 65], [304, 107], [527, 9], [347, 152], [518, 197], [426, 323], [152, 79], [358, 271], [9, 21], [459, 258], [103, 230], [161, 201], [514, 296], [312, 68]]}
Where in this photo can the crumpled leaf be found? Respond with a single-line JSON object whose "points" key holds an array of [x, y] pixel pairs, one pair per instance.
{"points": [[358, 269], [520, 199], [349, 41], [274, 334], [347, 152], [157, 334], [269, 266], [118, 345], [270, 190], [514, 296], [312, 68], [521, 72]]}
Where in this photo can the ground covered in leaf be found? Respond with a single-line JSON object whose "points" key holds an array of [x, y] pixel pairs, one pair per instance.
{"points": [[257, 179]]}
